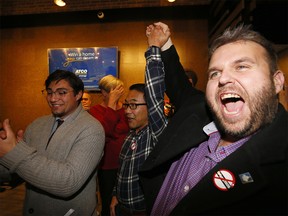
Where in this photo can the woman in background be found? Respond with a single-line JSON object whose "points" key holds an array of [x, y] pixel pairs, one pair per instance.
{"points": [[111, 114]]}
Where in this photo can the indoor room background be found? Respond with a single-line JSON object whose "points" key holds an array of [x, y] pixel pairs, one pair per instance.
{"points": [[24, 44]]}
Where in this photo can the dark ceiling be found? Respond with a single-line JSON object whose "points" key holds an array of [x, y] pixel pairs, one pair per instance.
{"points": [[24, 13], [270, 17], [21, 7]]}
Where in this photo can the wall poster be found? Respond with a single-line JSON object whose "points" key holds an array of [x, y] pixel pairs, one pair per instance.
{"points": [[90, 64]]}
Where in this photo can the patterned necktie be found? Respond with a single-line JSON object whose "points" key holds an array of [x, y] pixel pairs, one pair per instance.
{"points": [[59, 122]]}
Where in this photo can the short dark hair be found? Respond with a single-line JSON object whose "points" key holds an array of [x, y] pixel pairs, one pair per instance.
{"points": [[140, 87], [245, 33], [74, 81]]}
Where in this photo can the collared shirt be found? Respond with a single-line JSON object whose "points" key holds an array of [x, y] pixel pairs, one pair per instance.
{"points": [[137, 147], [185, 173]]}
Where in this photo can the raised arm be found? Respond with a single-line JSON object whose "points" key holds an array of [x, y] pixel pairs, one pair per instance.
{"points": [[155, 79], [177, 84]]}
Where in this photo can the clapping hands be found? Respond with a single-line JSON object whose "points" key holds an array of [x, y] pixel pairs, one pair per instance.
{"points": [[8, 140]]}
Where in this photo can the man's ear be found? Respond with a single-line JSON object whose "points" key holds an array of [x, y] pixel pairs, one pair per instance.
{"points": [[279, 81], [79, 95]]}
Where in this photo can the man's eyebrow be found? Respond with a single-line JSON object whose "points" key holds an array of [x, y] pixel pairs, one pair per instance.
{"points": [[212, 69], [244, 59], [237, 61], [131, 100], [63, 88]]}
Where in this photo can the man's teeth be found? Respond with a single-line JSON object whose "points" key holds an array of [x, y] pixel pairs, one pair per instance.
{"points": [[229, 96]]}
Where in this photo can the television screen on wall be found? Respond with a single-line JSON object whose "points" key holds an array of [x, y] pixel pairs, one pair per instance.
{"points": [[90, 64]]}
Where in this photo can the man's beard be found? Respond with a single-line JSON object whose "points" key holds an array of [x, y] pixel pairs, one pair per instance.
{"points": [[263, 108]]}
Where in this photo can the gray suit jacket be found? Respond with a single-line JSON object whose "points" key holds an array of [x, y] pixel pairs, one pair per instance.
{"points": [[63, 176]]}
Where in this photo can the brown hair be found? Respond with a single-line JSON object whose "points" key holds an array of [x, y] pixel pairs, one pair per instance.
{"points": [[245, 33]]}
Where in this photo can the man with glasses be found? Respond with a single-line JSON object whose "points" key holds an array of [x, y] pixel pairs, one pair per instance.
{"points": [[144, 109], [86, 101], [57, 164]]}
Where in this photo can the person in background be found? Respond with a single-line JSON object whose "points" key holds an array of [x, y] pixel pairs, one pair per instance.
{"points": [[112, 116], [59, 166], [192, 77], [169, 109], [86, 101], [144, 109], [236, 164]]}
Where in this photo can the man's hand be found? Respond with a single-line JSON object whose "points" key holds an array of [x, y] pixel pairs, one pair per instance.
{"points": [[114, 203], [157, 34], [3, 134], [20, 135], [164, 27], [8, 139]]}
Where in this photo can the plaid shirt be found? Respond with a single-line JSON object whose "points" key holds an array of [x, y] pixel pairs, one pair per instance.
{"points": [[137, 147]]}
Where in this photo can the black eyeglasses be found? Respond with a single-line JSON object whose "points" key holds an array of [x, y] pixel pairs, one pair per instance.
{"points": [[132, 106]]}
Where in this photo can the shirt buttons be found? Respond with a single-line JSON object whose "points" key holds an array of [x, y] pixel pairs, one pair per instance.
{"points": [[186, 188]]}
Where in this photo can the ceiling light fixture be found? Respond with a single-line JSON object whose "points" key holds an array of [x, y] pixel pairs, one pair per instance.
{"points": [[171, 0], [60, 3]]}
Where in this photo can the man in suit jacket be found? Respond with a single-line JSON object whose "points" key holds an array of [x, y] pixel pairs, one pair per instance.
{"points": [[236, 164], [58, 165]]}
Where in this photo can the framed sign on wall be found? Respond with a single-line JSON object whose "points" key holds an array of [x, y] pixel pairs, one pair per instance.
{"points": [[90, 63]]}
